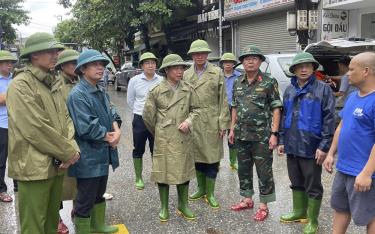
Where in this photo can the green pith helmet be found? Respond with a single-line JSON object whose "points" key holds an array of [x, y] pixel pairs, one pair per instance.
{"points": [[171, 60], [228, 57], [65, 56], [38, 42], [145, 56], [7, 56], [89, 56], [251, 50], [303, 57], [199, 46]]}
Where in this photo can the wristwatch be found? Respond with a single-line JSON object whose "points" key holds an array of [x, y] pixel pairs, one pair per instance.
{"points": [[276, 134]]}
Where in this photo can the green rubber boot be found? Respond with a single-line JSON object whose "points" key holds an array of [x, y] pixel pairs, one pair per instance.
{"points": [[299, 209], [210, 197], [98, 220], [164, 198], [183, 206], [82, 225], [233, 159], [201, 180], [313, 208], [138, 173]]}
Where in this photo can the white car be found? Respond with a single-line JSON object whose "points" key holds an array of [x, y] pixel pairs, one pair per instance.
{"points": [[277, 65]]}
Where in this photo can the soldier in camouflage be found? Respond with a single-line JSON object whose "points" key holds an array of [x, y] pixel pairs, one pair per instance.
{"points": [[255, 105]]}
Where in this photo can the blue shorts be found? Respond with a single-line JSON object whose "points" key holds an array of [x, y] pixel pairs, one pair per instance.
{"points": [[344, 198]]}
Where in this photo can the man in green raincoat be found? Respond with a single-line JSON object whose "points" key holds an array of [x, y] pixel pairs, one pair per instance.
{"points": [[66, 79], [168, 114], [39, 143], [212, 122]]}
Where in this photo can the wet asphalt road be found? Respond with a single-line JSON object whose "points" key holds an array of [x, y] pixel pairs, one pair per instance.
{"points": [[138, 210]]}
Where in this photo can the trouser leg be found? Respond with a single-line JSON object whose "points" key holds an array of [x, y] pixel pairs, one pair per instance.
{"points": [[245, 168], [3, 157], [140, 134], [90, 192], [263, 160], [305, 175], [39, 203]]}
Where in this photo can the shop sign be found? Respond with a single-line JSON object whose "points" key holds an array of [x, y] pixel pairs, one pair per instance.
{"points": [[335, 24], [331, 3], [236, 8], [208, 16]]}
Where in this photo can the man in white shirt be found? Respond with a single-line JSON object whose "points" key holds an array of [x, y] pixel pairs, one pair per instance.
{"points": [[137, 92]]}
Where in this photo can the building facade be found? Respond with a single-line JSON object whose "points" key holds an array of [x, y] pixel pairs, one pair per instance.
{"points": [[262, 23], [359, 15]]}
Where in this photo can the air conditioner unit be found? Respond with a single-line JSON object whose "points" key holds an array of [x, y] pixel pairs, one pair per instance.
{"points": [[313, 19], [302, 20]]}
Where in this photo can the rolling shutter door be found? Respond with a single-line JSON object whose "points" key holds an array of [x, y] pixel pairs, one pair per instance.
{"points": [[268, 32]]}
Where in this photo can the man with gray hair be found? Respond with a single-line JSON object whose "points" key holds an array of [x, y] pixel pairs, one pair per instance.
{"points": [[353, 187]]}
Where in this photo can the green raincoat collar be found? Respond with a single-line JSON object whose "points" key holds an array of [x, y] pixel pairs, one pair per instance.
{"points": [[46, 78]]}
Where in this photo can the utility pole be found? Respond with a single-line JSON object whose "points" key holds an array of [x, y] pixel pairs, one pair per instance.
{"points": [[220, 29], [1, 36]]}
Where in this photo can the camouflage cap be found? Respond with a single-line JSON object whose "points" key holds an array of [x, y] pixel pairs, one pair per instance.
{"points": [[251, 50]]}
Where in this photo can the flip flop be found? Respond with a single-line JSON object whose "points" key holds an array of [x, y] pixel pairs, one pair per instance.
{"points": [[242, 205], [261, 214], [62, 228], [4, 197]]}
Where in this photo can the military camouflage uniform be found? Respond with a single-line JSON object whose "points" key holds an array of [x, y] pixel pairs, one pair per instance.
{"points": [[254, 104]]}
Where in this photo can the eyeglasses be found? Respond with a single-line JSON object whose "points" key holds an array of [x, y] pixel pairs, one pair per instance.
{"points": [[150, 62]]}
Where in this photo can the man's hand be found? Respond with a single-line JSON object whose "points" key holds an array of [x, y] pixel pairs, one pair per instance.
{"points": [[328, 163], [70, 162], [231, 136], [222, 133], [280, 150], [108, 137], [362, 182], [320, 156], [184, 127], [272, 143], [115, 138]]}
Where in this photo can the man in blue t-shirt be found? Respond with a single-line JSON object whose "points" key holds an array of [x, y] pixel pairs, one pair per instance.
{"points": [[7, 61], [353, 187]]}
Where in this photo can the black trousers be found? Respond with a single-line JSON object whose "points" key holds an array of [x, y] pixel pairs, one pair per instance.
{"points": [[164, 185], [210, 170], [90, 192], [140, 136], [3, 160], [305, 175], [3, 157]]}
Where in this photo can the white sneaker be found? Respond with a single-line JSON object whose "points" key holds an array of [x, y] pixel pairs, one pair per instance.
{"points": [[107, 196]]}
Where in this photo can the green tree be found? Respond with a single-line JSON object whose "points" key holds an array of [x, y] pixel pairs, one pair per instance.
{"points": [[101, 22], [11, 13], [67, 32]]}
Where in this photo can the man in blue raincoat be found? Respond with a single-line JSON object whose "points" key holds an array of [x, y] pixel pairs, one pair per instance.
{"points": [[98, 132]]}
